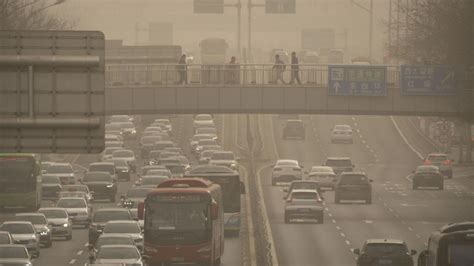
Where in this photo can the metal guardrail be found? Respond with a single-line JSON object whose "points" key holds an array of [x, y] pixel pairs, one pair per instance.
{"points": [[164, 75]]}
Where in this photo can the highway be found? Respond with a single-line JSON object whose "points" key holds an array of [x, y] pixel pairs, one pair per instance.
{"points": [[396, 212], [75, 252]]}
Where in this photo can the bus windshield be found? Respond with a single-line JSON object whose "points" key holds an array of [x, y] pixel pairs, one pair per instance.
{"points": [[15, 172], [461, 253], [230, 191], [178, 216]]}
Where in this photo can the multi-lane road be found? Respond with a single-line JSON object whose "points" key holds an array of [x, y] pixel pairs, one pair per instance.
{"points": [[386, 149], [396, 212]]}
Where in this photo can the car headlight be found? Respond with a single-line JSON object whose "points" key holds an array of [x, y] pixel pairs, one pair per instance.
{"points": [[110, 185], [124, 170], [133, 132], [233, 165], [43, 233], [65, 225]]}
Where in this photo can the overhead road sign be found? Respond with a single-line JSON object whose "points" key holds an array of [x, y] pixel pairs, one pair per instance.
{"points": [[209, 6], [280, 6], [428, 80], [52, 91], [357, 80]]}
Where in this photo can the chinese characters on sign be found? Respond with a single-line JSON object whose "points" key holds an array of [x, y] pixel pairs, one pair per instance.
{"points": [[427, 80], [357, 80]]}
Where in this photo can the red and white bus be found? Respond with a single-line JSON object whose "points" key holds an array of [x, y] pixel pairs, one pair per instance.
{"points": [[183, 222]]}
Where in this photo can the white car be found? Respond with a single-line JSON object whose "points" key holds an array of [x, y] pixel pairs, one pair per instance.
{"points": [[117, 255], [64, 171], [107, 153], [59, 220], [127, 227], [324, 175], [203, 120], [286, 171], [120, 118], [204, 142], [128, 156], [224, 158], [23, 233], [77, 209], [342, 134], [165, 122], [196, 138]]}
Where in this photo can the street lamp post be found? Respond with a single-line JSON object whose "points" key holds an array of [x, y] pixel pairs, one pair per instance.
{"points": [[371, 15]]}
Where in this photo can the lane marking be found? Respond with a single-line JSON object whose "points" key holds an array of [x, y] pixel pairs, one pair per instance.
{"points": [[86, 244], [330, 214], [368, 221], [342, 234], [348, 242], [72, 261], [405, 139], [333, 221], [79, 253], [410, 229], [338, 227]]}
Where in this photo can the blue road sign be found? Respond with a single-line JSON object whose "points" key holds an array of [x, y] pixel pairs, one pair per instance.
{"points": [[356, 80], [427, 80]]}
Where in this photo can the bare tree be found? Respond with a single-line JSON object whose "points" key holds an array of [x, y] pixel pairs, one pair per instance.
{"points": [[31, 15], [435, 32]]}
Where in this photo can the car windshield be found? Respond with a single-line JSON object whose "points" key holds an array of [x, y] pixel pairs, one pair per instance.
{"points": [[207, 142], [222, 156], [51, 214], [304, 195], [287, 163], [105, 240], [339, 163], [117, 253], [172, 216], [305, 185], [201, 137], [109, 151], [153, 180], [207, 154], [71, 203], [127, 125], [150, 139], [342, 127], [82, 188], [50, 180], [427, 169], [4, 238], [317, 169], [20, 228], [118, 163], [162, 172], [59, 169], [461, 253], [119, 118], [34, 219], [206, 130], [386, 248], [353, 179], [102, 168], [203, 117], [130, 228], [105, 216], [78, 194], [17, 252], [293, 123], [137, 193], [163, 121], [437, 158], [97, 177], [123, 154]]}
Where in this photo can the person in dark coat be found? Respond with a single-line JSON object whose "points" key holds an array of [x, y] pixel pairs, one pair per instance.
{"points": [[182, 68], [280, 68], [233, 71], [295, 69]]}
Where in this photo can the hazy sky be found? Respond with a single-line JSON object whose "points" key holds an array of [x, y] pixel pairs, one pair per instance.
{"points": [[118, 20]]}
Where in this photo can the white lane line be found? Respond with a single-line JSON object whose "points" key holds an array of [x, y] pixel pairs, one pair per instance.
{"points": [[86, 244], [342, 234], [410, 229], [367, 146], [390, 209], [327, 209], [333, 221], [348, 242], [418, 236], [361, 136], [79, 253], [338, 227], [405, 139], [72, 261], [409, 177], [355, 124], [353, 118], [426, 244], [358, 130], [363, 141], [330, 214], [403, 222], [368, 221]]}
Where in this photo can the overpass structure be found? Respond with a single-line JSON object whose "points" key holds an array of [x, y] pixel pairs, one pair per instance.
{"points": [[256, 88]]}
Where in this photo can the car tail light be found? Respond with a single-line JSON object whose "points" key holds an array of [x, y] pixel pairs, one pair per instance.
{"points": [[447, 162], [427, 162], [289, 200], [320, 200]]}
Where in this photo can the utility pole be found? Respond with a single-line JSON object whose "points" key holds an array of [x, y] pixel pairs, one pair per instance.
{"points": [[371, 28], [239, 15], [249, 37]]}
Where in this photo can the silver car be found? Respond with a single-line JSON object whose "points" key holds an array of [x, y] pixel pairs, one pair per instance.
{"points": [[224, 158], [342, 134], [41, 225], [23, 233], [286, 171], [14, 255], [304, 204], [126, 227], [64, 171], [117, 254], [324, 175], [59, 220], [77, 209]]}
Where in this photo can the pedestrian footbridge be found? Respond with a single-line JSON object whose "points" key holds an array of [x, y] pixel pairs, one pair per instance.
{"points": [[253, 88]]}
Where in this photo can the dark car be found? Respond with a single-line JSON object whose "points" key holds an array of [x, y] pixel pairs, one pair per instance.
{"points": [[353, 186], [122, 169], [50, 185], [294, 129], [427, 176], [340, 164], [304, 204], [102, 184], [384, 252], [41, 225], [102, 216], [134, 196]]}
